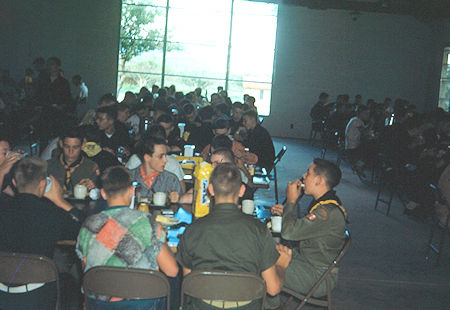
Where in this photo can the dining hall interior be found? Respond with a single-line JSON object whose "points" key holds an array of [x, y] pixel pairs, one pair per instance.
{"points": [[120, 120]]}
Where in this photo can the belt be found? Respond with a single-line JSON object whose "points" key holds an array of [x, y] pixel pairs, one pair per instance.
{"points": [[20, 289], [226, 304]]}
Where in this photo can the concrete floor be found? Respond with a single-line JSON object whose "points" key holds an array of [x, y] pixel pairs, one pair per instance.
{"points": [[385, 267]]}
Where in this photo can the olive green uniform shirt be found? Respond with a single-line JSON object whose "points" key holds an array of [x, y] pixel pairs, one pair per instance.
{"points": [[86, 170], [320, 239], [227, 239]]}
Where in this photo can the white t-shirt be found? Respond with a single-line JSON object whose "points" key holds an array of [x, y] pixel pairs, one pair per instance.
{"points": [[172, 165], [353, 133]]}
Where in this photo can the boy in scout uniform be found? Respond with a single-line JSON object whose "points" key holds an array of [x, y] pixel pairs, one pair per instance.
{"points": [[321, 232]]}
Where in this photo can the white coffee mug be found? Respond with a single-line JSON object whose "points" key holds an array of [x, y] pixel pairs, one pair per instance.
{"points": [[277, 222], [159, 199], [80, 191], [248, 206]]}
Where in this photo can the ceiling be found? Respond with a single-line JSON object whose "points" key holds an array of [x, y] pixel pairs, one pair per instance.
{"points": [[426, 10]]}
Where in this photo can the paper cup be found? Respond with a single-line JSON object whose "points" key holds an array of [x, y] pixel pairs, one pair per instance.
{"points": [[159, 199], [79, 191], [248, 206], [276, 223], [189, 150]]}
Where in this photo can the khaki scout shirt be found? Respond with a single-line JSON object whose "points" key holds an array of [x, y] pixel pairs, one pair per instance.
{"points": [[227, 239], [321, 238]]}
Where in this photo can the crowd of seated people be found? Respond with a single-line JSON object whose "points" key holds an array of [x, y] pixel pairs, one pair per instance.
{"points": [[392, 133], [105, 149]]}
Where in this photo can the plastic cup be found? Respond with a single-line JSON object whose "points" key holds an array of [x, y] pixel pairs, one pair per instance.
{"points": [[248, 206], [159, 199], [277, 222], [79, 191]]}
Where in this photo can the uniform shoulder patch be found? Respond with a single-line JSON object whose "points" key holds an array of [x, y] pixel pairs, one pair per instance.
{"points": [[323, 213]]}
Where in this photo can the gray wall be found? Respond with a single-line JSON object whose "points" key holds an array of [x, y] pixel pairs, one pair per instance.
{"points": [[378, 55], [84, 34]]}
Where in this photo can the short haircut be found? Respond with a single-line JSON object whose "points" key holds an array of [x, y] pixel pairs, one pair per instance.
{"points": [[223, 108], [206, 112], [226, 180], [110, 111], [74, 132], [77, 77], [156, 131], [115, 180], [329, 171], [122, 107], [237, 105], [147, 146], [188, 107], [221, 123], [55, 60], [226, 153], [165, 118], [108, 98], [252, 114], [28, 172], [221, 141], [162, 92]]}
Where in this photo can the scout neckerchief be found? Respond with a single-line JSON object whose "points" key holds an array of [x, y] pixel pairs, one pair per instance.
{"points": [[148, 179], [332, 200], [67, 167]]}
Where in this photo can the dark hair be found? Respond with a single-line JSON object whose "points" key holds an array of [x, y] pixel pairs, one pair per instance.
{"points": [[91, 133], [221, 123], [162, 92], [56, 60], [237, 105], [110, 111], [226, 180], [107, 98], [28, 172], [147, 146], [115, 180], [329, 171], [221, 141], [165, 118], [323, 95], [223, 108], [226, 153], [188, 107], [77, 77], [74, 132], [156, 131], [122, 107], [252, 114], [206, 113]]}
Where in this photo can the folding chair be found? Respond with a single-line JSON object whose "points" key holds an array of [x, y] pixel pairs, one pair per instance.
{"points": [[126, 283], [274, 169], [224, 288], [22, 272], [325, 302]]}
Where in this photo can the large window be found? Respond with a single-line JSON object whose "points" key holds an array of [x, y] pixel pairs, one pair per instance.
{"points": [[199, 43], [444, 93]]}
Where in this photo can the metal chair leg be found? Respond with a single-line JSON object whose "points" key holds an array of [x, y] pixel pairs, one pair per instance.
{"points": [[276, 183]]}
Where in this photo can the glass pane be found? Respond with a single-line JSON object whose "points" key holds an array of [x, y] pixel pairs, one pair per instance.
{"points": [[204, 5], [254, 8], [134, 81], [261, 91], [142, 22], [147, 2], [150, 61], [253, 44], [186, 85], [199, 26], [199, 61]]}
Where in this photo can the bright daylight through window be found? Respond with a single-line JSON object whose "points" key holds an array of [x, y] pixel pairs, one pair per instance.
{"points": [[444, 94], [199, 43]]}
